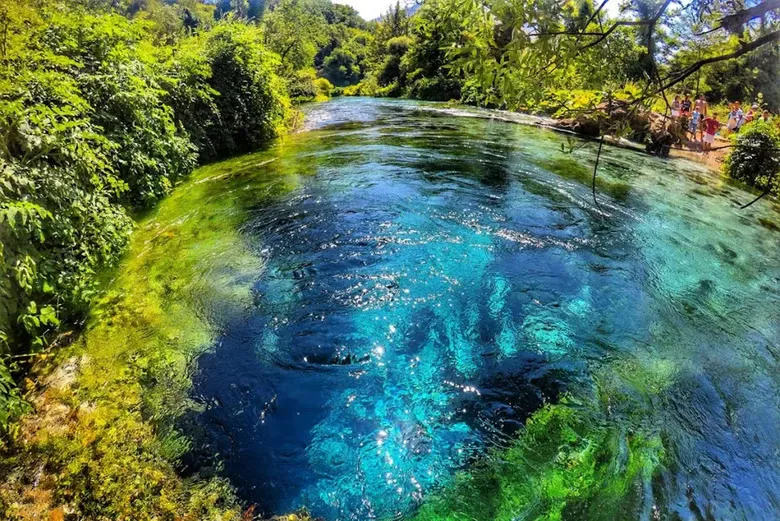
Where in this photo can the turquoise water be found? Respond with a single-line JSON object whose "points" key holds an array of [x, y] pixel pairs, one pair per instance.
{"points": [[439, 276]]}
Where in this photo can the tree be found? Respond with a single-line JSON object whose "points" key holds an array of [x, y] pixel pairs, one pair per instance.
{"points": [[283, 33], [516, 51], [756, 157], [346, 64]]}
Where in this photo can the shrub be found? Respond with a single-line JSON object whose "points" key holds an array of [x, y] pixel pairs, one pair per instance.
{"points": [[392, 70], [438, 88], [119, 80], [306, 86], [342, 67], [393, 90], [324, 89], [399, 46], [302, 87], [59, 218], [253, 104], [755, 159], [11, 404], [367, 87]]}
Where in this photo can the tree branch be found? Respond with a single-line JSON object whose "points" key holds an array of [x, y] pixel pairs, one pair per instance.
{"points": [[612, 29], [734, 22], [744, 49]]}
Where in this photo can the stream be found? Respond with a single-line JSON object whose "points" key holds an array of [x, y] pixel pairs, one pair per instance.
{"points": [[433, 278]]}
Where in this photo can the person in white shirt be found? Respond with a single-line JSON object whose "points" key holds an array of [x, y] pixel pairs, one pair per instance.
{"points": [[676, 106], [732, 122], [739, 116]]}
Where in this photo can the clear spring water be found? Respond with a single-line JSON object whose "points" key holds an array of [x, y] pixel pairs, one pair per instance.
{"points": [[437, 277]]}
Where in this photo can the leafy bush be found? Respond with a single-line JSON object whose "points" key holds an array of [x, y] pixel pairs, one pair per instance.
{"points": [[367, 87], [99, 115], [301, 87], [755, 159], [306, 86], [253, 105], [118, 79], [324, 89], [437, 88], [342, 67], [393, 90], [391, 70], [59, 217], [11, 403]]}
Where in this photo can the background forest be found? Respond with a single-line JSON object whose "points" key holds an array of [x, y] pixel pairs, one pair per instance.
{"points": [[105, 105]]}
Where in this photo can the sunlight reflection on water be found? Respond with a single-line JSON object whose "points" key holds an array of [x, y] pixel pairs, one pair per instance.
{"points": [[435, 280]]}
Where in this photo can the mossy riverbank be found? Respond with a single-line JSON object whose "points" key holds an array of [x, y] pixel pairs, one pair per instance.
{"points": [[101, 442]]}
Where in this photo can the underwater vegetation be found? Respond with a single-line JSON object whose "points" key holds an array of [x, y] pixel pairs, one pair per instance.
{"points": [[562, 467], [591, 459]]}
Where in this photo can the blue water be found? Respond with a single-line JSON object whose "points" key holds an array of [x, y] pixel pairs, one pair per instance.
{"points": [[439, 276]]}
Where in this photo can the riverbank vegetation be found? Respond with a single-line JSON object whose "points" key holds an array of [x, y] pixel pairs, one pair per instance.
{"points": [[102, 116]]}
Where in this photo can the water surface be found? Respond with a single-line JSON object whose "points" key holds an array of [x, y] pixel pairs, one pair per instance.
{"points": [[435, 279]]}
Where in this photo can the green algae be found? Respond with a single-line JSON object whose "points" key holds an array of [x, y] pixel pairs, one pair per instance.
{"points": [[565, 463], [570, 168], [769, 224], [593, 455], [570, 461]]}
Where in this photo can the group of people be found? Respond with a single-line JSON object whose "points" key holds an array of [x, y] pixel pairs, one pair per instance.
{"points": [[698, 119], [707, 125]]}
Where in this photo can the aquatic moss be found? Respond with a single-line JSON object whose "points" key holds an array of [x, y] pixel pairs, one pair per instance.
{"points": [[570, 168], [566, 463], [593, 459], [769, 224]]}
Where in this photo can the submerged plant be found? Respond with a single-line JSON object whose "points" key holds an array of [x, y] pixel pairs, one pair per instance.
{"points": [[590, 460]]}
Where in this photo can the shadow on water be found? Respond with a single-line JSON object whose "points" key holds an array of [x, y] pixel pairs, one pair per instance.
{"points": [[434, 282]]}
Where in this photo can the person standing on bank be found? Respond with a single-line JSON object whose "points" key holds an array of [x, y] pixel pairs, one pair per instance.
{"points": [[686, 105], [739, 115], [693, 125], [701, 107], [710, 127], [732, 121], [676, 106]]}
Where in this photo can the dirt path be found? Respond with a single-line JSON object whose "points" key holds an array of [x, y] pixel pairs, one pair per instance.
{"points": [[713, 159]]}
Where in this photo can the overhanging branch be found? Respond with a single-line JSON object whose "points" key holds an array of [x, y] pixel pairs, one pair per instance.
{"points": [[670, 81]]}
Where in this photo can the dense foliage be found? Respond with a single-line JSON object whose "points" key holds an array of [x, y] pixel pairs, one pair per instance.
{"points": [[756, 156], [101, 114]]}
